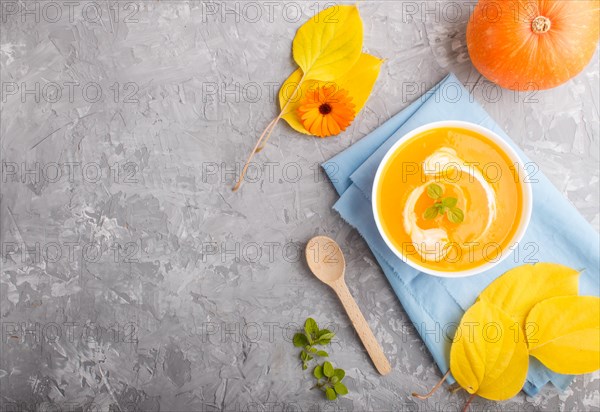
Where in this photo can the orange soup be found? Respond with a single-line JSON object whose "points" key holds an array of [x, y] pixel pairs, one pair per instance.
{"points": [[450, 199]]}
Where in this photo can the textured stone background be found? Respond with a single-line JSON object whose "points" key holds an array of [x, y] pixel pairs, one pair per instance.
{"points": [[134, 279]]}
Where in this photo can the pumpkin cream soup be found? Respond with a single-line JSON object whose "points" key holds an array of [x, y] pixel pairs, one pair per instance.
{"points": [[450, 199]]}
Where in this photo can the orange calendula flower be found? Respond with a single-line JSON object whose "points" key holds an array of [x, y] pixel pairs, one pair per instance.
{"points": [[326, 111]]}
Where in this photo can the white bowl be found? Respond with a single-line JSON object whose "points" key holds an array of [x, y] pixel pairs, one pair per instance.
{"points": [[526, 195]]}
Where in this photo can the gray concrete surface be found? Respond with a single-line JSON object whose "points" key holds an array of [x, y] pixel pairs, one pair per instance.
{"points": [[134, 279]]}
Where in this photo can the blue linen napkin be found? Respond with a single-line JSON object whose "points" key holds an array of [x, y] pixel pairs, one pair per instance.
{"points": [[557, 232]]}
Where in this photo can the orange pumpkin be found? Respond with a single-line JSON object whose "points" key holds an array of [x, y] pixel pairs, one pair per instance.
{"points": [[532, 44]]}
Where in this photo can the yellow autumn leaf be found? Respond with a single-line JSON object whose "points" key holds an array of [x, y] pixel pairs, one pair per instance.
{"points": [[566, 333], [358, 81], [489, 356], [520, 289], [329, 44], [290, 95]]}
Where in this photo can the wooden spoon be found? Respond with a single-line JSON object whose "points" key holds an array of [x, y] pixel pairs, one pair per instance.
{"points": [[326, 261]]}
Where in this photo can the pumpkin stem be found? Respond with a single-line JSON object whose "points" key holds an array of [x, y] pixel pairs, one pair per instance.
{"points": [[540, 24], [432, 391]]}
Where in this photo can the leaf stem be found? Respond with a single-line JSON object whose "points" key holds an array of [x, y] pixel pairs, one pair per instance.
{"points": [[432, 391], [466, 408], [269, 128], [318, 386], [260, 143], [282, 111], [243, 173]]}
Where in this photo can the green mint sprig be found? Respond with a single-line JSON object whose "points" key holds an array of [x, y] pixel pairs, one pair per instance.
{"points": [[445, 205], [329, 380], [312, 336]]}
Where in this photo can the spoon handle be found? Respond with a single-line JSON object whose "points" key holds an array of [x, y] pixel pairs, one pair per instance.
{"points": [[362, 328]]}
